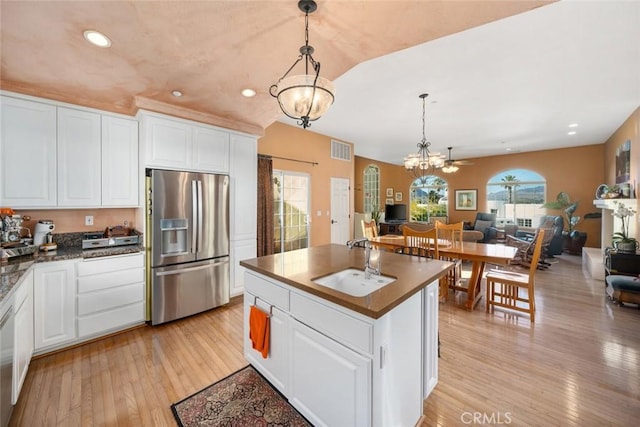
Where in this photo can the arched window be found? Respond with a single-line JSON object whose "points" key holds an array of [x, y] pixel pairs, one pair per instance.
{"points": [[428, 198], [371, 187], [516, 196]]}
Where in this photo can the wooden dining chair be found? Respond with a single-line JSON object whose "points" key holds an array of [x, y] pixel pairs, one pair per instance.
{"points": [[503, 286], [369, 229], [424, 243], [451, 235], [420, 242]]}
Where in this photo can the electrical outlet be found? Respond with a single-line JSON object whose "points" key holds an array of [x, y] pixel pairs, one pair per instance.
{"points": [[88, 220]]}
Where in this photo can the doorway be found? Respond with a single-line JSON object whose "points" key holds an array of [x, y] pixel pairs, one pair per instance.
{"points": [[291, 211], [339, 210]]}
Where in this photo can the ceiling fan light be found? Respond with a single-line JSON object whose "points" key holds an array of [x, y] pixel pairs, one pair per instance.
{"points": [[298, 97], [450, 169]]}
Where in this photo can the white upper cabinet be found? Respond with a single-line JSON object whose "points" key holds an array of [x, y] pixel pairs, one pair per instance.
{"points": [[167, 142], [56, 155], [210, 149], [119, 162], [243, 172], [27, 153], [182, 145], [79, 158]]}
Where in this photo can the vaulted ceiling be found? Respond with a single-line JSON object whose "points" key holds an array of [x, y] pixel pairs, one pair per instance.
{"points": [[381, 55]]}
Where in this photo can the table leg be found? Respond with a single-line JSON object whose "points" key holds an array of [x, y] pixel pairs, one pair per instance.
{"points": [[474, 292]]}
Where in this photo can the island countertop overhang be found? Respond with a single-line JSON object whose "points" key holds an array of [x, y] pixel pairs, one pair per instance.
{"points": [[299, 268]]}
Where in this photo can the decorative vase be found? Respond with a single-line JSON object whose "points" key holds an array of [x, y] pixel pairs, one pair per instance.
{"points": [[628, 247]]}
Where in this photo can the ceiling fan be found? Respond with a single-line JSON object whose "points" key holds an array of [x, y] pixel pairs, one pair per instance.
{"points": [[451, 165]]}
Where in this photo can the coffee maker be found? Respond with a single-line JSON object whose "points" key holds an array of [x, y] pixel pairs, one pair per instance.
{"points": [[42, 228]]}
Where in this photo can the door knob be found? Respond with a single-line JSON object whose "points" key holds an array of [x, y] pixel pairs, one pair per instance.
{"points": [[334, 222]]}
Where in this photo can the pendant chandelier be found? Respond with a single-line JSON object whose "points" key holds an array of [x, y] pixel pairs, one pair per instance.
{"points": [[423, 163], [304, 97]]}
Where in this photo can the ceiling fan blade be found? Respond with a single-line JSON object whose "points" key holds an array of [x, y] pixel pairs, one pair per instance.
{"points": [[462, 162]]}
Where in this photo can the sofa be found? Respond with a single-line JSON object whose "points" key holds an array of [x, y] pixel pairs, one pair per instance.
{"points": [[485, 223]]}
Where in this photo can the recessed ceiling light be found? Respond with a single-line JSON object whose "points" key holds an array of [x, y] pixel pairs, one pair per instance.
{"points": [[96, 38], [176, 93], [573, 132], [573, 125], [249, 93]]}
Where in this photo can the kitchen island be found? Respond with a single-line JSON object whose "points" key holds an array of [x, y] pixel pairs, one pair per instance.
{"points": [[341, 359]]}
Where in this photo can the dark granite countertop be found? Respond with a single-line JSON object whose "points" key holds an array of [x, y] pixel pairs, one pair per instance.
{"points": [[299, 269], [69, 247]]}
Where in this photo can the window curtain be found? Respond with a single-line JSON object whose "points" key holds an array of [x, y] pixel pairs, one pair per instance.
{"points": [[265, 205]]}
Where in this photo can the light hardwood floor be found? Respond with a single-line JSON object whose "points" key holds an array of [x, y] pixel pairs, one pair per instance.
{"points": [[578, 365]]}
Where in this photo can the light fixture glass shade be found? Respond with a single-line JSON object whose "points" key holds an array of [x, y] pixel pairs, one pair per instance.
{"points": [[296, 94], [450, 169]]}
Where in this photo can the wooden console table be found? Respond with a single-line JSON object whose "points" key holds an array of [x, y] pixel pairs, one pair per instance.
{"points": [[391, 228]]}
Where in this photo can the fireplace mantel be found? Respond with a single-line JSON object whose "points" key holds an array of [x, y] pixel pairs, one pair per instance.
{"points": [[611, 203], [611, 225]]}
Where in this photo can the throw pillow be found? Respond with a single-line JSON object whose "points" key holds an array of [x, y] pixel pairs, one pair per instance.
{"points": [[482, 225]]}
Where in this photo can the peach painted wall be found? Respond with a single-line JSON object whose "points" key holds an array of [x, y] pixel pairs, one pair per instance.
{"points": [[578, 171], [296, 143], [72, 220], [629, 130]]}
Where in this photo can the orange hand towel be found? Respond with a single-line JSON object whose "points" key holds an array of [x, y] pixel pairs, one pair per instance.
{"points": [[259, 330]]}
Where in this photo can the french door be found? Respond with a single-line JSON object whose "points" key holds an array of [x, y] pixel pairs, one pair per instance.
{"points": [[291, 211]]}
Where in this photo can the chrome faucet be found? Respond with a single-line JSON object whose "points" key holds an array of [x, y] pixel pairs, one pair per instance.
{"points": [[368, 269]]}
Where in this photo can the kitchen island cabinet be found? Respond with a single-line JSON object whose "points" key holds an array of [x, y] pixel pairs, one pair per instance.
{"points": [[366, 361]]}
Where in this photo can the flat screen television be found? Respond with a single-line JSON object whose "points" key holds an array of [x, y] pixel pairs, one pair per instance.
{"points": [[395, 213]]}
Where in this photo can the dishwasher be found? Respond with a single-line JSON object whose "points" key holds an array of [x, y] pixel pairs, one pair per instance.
{"points": [[6, 365]]}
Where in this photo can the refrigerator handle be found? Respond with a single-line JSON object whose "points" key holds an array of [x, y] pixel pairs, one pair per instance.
{"points": [[200, 224], [194, 217]]}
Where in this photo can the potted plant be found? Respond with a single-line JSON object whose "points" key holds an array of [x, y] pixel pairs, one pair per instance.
{"points": [[621, 240]]}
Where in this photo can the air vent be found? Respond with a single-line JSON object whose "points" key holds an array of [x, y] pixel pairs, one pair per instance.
{"points": [[340, 150]]}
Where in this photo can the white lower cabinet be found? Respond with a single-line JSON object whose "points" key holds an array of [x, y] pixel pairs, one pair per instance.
{"points": [[23, 346], [240, 249], [330, 384], [276, 366], [431, 303], [339, 367], [111, 294], [54, 297]]}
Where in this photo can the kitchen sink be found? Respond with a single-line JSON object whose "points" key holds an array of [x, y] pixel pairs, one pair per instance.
{"points": [[352, 281]]}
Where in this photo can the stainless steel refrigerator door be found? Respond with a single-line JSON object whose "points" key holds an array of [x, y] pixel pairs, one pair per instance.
{"points": [[213, 216], [173, 217], [182, 290]]}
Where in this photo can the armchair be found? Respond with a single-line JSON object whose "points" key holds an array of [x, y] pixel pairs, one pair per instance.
{"points": [[485, 222], [547, 221]]}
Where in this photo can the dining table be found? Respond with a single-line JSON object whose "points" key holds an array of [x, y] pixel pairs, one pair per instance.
{"points": [[478, 253]]}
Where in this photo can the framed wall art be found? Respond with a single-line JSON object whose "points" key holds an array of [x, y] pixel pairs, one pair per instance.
{"points": [[466, 200], [399, 196], [389, 192]]}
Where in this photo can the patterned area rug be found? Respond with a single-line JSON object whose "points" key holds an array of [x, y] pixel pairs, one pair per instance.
{"points": [[244, 398]]}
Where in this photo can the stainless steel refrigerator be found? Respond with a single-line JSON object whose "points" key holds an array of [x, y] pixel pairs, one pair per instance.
{"points": [[189, 224]]}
